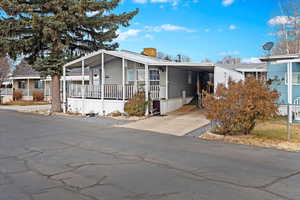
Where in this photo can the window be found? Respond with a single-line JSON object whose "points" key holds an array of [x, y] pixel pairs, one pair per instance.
{"points": [[295, 79], [21, 84], [130, 75], [141, 74], [38, 84], [154, 75]]}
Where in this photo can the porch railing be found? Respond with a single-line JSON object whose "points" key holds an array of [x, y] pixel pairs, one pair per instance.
{"points": [[111, 91], [154, 91], [25, 92], [5, 91]]}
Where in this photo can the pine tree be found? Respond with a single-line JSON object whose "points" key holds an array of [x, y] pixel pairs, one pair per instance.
{"points": [[50, 33]]}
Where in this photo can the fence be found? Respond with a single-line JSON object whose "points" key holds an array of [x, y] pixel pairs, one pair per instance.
{"points": [[5, 91]]}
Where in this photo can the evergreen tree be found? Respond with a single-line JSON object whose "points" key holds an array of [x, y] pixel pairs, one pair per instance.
{"points": [[50, 33]]}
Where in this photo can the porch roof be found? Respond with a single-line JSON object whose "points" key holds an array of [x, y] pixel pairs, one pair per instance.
{"points": [[279, 57], [95, 57]]}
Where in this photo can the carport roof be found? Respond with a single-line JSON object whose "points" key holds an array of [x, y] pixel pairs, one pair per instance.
{"points": [[147, 60]]}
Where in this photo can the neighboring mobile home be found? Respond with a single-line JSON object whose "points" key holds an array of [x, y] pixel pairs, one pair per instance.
{"points": [[284, 74], [27, 81]]}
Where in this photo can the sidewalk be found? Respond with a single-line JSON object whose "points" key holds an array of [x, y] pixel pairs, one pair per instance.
{"points": [[32, 108]]}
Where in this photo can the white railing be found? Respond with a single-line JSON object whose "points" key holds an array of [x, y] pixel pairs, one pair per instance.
{"points": [[5, 91], [296, 108], [111, 91], [129, 91], [154, 92]]}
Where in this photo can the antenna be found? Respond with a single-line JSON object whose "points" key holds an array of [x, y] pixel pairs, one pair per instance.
{"points": [[268, 47]]}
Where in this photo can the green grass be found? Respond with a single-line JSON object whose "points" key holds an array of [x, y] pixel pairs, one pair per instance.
{"points": [[276, 129]]}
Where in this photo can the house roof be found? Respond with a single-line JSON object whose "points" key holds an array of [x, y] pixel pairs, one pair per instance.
{"points": [[246, 67], [95, 57]]}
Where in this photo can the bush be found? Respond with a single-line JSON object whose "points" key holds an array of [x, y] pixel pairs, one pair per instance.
{"points": [[38, 96], [237, 108], [17, 95], [137, 105]]}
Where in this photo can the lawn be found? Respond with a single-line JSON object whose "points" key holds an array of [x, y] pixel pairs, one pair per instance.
{"points": [[270, 134], [276, 129], [25, 103]]}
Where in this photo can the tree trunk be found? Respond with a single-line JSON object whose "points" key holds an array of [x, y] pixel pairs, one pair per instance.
{"points": [[55, 94]]}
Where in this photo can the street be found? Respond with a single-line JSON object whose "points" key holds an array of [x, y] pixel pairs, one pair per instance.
{"points": [[57, 158]]}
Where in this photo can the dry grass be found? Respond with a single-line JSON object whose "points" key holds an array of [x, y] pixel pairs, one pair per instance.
{"points": [[276, 129], [25, 103], [270, 134]]}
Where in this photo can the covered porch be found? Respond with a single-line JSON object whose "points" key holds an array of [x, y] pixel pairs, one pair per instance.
{"points": [[116, 76]]}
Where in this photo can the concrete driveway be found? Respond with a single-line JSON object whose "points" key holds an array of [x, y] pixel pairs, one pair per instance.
{"points": [[54, 158], [177, 123]]}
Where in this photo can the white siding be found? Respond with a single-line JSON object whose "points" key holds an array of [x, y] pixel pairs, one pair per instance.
{"points": [[222, 76]]}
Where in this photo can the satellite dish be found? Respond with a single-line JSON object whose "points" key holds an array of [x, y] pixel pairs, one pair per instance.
{"points": [[268, 46]]}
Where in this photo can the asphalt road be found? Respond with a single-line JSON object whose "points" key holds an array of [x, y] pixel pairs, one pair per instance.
{"points": [[51, 158]]}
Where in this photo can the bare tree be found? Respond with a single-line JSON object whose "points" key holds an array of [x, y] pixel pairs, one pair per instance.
{"points": [[206, 60], [287, 28], [229, 60], [178, 58]]}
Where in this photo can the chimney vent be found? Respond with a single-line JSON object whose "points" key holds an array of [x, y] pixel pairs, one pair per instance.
{"points": [[150, 52]]}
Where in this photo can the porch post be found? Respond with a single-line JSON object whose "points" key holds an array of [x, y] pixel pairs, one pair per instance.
{"points": [[82, 87], [28, 92], [102, 81], [45, 93], [123, 80], [147, 87], [64, 90], [198, 84], [167, 82], [290, 88]]}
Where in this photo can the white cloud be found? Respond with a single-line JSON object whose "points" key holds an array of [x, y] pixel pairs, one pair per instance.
{"points": [[167, 27], [283, 20], [227, 2], [126, 34], [251, 60], [232, 27], [174, 3], [92, 13], [207, 30]]}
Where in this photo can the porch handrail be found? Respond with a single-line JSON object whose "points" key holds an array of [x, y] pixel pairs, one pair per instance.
{"points": [[5, 91], [111, 91]]}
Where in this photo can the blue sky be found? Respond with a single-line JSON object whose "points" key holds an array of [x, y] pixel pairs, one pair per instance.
{"points": [[200, 28]]}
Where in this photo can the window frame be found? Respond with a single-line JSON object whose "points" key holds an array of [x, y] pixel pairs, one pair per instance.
{"points": [[293, 83]]}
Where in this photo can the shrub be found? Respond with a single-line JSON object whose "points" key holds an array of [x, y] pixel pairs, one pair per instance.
{"points": [[137, 105], [17, 95], [38, 96], [237, 108]]}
